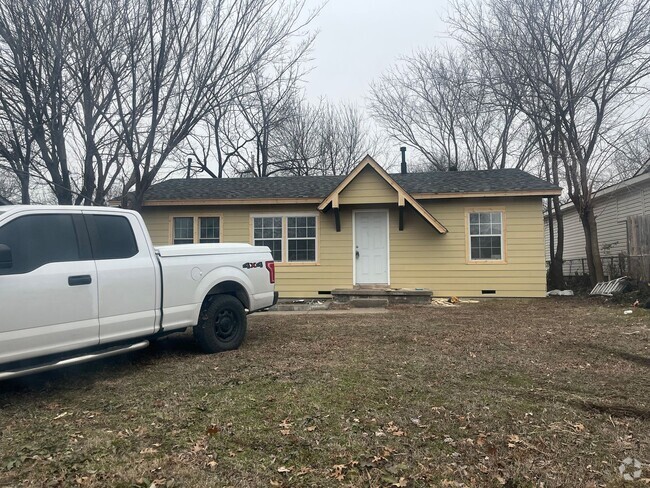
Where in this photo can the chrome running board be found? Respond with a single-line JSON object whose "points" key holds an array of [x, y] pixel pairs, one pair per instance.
{"points": [[114, 351]]}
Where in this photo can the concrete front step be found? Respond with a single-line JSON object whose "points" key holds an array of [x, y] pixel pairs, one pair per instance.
{"points": [[368, 303], [298, 308], [291, 306], [387, 296]]}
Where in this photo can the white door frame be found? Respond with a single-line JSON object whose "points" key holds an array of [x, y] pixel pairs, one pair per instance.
{"points": [[354, 242]]}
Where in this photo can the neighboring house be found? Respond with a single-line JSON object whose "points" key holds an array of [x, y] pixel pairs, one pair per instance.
{"points": [[467, 233], [612, 207], [4, 201]]}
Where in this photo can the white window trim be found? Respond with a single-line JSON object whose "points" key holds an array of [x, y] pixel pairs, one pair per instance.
{"points": [[468, 243], [285, 237], [173, 229], [196, 230], [198, 227], [252, 239]]}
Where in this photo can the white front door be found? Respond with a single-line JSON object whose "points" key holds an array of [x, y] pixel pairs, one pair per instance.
{"points": [[371, 247]]}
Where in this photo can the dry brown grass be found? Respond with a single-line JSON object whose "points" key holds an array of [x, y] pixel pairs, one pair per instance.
{"points": [[514, 392]]}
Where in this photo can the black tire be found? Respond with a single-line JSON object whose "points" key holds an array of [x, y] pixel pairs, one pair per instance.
{"points": [[223, 327]]}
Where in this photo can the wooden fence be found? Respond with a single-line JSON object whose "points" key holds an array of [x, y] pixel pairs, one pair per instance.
{"points": [[638, 247]]}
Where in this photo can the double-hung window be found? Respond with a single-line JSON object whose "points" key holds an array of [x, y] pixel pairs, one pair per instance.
{"points": [[292, 238], [190, 230], [486, 236], [183, 230], [209, 230], [267, 231], [301, 239]]}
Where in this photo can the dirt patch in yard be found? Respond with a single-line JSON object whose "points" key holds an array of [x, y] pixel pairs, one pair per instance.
{"points": [[505, 392]]}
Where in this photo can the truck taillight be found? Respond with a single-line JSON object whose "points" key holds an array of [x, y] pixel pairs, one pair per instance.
{"points": [[270, 265]]}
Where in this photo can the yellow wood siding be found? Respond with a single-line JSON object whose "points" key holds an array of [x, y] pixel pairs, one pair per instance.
{"points": [[419, 256], [368, 187], [422, 258], [293, 279]]}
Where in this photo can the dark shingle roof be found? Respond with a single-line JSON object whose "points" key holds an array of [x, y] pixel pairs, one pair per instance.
{"points": [[225, 188], [502, 180], [498, 180]]}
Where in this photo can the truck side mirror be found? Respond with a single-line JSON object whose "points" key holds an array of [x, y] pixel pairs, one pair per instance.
{"points": [[6, 260]]}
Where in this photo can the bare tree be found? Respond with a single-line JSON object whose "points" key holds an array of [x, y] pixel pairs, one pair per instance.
{"points": [[323, 139], [177, 60], [285, 135], [33, 48], [298, 142], [10, 187], [240, 136], [54, 98], [99, 150], [345, 137], [263, 108], [436, 102], [583, 64], [15, 145], [632, 154]]}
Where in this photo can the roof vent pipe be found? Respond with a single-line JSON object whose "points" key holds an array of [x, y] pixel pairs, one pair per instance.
{"points": [[403, 149]]}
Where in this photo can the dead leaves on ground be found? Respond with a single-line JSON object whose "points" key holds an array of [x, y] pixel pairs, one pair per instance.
{"points": [[381, 468], [306, 425], [540, 380]]}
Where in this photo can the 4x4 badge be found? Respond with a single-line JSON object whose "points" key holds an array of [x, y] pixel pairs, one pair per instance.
{"points": [[253, 265]]}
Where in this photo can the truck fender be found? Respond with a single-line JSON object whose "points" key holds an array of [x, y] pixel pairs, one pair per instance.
{"points": [[222, 275]]}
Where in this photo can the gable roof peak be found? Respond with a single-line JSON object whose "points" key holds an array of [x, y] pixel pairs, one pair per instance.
{"points": [[403, 196]]}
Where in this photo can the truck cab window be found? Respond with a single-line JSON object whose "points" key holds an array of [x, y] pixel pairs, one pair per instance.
{"points": [[111, 237], [36, 240]]}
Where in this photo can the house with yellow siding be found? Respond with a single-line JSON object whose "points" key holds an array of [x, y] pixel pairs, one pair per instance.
{"points": [[465, 233]]}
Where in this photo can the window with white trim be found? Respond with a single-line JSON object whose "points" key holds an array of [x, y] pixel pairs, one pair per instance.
{"points": [[486, 236], [301, 239], [291, 238], [192, 229], [209, 230], [183, 230], [267, 231]]}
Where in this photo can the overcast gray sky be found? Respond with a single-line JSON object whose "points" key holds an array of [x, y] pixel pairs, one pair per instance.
{"points": [[360, 39]]}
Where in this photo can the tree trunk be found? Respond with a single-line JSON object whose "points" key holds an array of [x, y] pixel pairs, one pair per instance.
{"points": [[550, 152], [588, 220], [25, 197], [559, 250], [63, 196], [556, 268], [85, 197]]}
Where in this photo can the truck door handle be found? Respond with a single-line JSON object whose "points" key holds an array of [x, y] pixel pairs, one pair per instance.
{"points": [[79, 280]]}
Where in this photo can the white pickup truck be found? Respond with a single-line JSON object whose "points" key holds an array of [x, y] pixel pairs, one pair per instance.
{"points": [[80, 283]]}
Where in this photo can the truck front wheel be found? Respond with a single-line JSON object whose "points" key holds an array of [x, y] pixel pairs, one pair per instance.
{"points": [[222, 326]]}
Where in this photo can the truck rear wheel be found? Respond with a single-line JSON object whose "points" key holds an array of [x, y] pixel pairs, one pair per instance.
{"points": [[223, 325]]}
